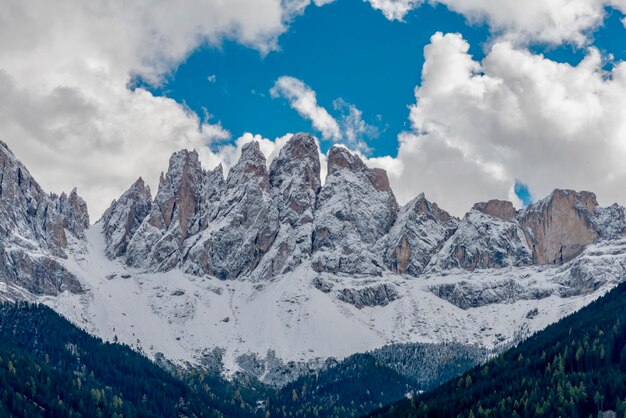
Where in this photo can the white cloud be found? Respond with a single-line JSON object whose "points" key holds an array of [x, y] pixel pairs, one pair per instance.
{"points": [[212, 78], [304, 100], [355, 131], [478, 126], [350, 129], [549, 21], [395, 9], [65, 67]]}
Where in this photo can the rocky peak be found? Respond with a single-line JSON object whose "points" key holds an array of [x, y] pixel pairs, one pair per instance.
{"points": [[560, 226], [245, 225], [294, 183], [33, 230], [295, 179], [482, 241], [340, 158], [251, 167], [355, 209], [179, 190], [123, 218], [419, 232], [74, 211], [498, 208]]}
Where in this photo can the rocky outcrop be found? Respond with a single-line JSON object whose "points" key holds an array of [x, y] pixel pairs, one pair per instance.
{"points": [[466, 294], [294, 178], [483, 241], [355, 209], [260, 223], [418, 234], [175, 214], [245, 224], [381, 294], [124, 217], [560, 226], [500, 209], [35, 229]]}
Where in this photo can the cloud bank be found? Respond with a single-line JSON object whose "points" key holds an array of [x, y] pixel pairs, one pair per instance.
{"points": [[66, 105], [480, 126], [65, 71]]}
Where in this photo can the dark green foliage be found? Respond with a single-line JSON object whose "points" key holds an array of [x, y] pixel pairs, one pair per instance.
{"points": [[50, 368], [574, 368], [350, 388]]}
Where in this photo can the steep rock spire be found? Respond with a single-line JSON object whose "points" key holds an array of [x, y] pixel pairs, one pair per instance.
{"points": [[355, 208]]}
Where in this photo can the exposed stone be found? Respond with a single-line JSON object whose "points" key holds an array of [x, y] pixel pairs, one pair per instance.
{"points": [[294, 178], [483, 241], [501, 209], [465, 294], [355, 209], [419, 232], [380, 294], [34, 230], [245, 225], [123, 218], [559, 227]]}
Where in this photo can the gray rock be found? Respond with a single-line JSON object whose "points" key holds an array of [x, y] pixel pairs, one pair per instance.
{"points": [[375, 295], [419, 232], [466, 294], [35, 229], [483, 241], [355, 209], [124, 217]]}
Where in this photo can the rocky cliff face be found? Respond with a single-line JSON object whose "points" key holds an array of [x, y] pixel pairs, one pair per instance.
{"points": [[35, 229], [124, 217], [418, 234], [560, 226], [245, 225], [294, 178], [484, 241], [260, 223], [355, 209]]}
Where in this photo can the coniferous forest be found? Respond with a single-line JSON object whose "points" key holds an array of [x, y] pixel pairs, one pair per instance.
{"points": [[50, 368], [574, 368]]}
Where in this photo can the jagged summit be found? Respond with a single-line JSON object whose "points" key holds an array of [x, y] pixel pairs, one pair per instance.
{"points": [[259, 223], [271, 259], [36, 229]]}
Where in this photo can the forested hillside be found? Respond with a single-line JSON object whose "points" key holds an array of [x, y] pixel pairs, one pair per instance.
{"points": [[574, 368], [50, 368]]}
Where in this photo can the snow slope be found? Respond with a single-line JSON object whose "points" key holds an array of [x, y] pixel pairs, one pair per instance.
{"points": [[301, 315]]}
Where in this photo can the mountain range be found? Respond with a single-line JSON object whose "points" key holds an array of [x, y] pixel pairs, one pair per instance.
{"points": [[270, 269]]}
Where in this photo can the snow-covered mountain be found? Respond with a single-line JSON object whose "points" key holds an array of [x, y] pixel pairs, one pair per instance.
{"points": [[271, 263]]}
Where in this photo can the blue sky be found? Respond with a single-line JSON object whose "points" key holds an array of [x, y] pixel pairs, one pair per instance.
{"points": [[345, 50], [507, 121], [342, 50]]}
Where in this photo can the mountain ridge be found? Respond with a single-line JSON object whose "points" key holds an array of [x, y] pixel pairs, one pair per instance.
{"points": [[272, 263]]}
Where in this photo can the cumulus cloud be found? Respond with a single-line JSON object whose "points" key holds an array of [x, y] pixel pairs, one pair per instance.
{"points": [[355, 131], [394, 9], [66, 108], [479, 126], [547, 21], [349, 128], [303, 99]]}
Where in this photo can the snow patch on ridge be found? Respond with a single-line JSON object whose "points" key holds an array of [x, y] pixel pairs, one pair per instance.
{"points": [[184, 316]]}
